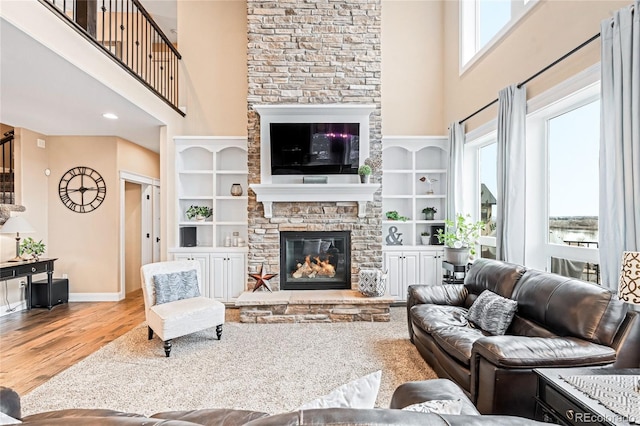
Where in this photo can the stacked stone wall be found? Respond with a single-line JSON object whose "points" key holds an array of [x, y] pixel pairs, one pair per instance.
{"points": [[313, 52]]}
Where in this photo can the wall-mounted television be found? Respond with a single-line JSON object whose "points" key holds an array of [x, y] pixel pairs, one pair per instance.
{"points": [[315, 148]]}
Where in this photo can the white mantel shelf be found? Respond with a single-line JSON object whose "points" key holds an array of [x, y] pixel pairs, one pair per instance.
{"points": [[269, 193]]}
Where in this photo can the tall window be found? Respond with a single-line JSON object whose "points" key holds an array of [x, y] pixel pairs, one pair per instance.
{"points": [[484, 22], [572, 164], [491, 17], [487, 167]]}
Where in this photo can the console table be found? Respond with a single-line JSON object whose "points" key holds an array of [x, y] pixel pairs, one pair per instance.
{"points": [[29, 268], [559, 402]]}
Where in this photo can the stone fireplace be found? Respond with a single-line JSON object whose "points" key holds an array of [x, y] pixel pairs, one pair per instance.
{"points": [[323, 54]]}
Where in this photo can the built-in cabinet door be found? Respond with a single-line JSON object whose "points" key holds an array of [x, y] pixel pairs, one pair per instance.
{"points": [[431, 267], [204, 269], [228, 275], [236, 275], [218, 276], [394, 267], [411, 272]]}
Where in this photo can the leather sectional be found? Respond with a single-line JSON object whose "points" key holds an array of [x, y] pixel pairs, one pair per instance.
{"points": [[560, 322], [405, 395]]}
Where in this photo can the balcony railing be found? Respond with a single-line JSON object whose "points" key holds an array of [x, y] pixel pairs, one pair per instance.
{"points": [[125, 31]]}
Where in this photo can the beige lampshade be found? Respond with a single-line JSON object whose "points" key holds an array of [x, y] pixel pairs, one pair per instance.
{"points": [[629, 286], [17, 224]]}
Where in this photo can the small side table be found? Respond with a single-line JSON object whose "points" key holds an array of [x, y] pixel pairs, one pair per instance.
{"points": [[453, 274], [559, 402]]}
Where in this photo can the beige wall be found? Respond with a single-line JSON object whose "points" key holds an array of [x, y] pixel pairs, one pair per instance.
{"points": [[136, 159], [86, 244], [549, 31], [213, 45], [412, 69], [132, 232]]}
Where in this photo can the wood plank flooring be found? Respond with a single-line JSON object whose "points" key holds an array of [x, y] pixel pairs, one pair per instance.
{"points": [[36, 345]]}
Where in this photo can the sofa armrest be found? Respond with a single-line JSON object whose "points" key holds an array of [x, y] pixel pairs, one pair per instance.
{"points": [[429, 390], [418, 294], [451, 294], [534, 352]]}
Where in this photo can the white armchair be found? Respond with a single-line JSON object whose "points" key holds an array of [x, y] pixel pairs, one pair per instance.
{"points": [[181, 310]]}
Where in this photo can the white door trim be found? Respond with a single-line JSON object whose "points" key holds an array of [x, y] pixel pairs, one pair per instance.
{"points": [[147, 219]]}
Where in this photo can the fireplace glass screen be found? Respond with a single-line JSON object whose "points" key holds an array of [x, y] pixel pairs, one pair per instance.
{"points": [[315, 260]]}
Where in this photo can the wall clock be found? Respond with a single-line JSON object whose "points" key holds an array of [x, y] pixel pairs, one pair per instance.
{"points": [[82, 189]]}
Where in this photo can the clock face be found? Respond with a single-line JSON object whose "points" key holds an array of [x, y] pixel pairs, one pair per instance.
{"points": [[82, 189]]}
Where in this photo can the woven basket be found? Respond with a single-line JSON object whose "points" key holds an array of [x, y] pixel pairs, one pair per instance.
{"points": [[373, 282]]}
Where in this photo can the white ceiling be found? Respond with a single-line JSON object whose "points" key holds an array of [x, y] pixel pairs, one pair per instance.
{"points": [[42, 92], [164, 12]]}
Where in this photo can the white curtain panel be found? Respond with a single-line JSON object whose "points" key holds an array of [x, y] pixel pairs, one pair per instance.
{"points": [[619, 141], [510, 215], [454, 178]]}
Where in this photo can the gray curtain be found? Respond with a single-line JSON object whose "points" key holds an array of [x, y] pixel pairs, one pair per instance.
{"points": [[619, 141], [454, 177], [510, 215]]}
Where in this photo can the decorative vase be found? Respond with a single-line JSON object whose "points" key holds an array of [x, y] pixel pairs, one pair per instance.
{"points": [[426, 239], [236, 190], [456, 256], [364, 178]]}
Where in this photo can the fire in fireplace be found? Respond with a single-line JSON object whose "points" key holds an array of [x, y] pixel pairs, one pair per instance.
{"points": [[315, 260]]}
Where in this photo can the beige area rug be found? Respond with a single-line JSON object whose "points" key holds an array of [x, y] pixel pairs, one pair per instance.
{"points": [[263, 367]]}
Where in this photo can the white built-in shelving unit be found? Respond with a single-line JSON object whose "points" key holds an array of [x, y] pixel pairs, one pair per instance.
{"points": [[206, 168], [405, 160]]}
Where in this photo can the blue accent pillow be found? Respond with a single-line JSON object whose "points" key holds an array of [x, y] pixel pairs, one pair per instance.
{"points": [[176, 286]]}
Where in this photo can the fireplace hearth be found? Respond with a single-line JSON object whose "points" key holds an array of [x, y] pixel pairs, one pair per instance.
{"points": [[315, 260]]}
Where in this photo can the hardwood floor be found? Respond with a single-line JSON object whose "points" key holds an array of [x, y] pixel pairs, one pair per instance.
{"points": [[38, 344]]}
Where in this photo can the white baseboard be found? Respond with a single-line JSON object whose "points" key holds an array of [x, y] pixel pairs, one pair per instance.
{"points": [[94, 297], [20, 306], [73, 297]]}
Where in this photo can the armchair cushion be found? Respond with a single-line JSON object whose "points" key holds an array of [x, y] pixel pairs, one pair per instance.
{"points": [[175, 286], [492, 313]]}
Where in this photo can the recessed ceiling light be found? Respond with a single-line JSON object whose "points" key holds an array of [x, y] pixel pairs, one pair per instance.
{"points": [[110, 116]]}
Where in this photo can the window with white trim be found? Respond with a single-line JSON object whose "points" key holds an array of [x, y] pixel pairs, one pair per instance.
{"points": [[481, 156], [484, 22], [562, 149]]}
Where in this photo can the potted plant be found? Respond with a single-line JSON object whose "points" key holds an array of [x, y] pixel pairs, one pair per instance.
{"points": [[429, 212], [393, 215], [459, 238], [364, 171], [200, 213], [31, 249], [425, 238]]}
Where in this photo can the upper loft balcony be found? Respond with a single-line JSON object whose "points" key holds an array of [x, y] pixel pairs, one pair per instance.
{"points": [[126, 32], [58, 80]]}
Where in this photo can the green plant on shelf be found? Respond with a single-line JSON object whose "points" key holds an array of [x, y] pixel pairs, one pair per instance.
{"points": [[393, 215], [199, 212]]}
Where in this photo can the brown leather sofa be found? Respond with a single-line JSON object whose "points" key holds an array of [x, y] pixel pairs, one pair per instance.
{"points": [[405, 395], [560, 322]]}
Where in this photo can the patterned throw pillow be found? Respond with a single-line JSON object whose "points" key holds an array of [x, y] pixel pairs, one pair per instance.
{"points": [[176, 286], [437, 406], [492, 313]]}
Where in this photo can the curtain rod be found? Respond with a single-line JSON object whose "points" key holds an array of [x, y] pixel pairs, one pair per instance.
{"points": [[552, 64]]}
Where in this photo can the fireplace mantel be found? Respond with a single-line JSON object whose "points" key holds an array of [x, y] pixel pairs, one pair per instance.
{"points": [[292, 192]]}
